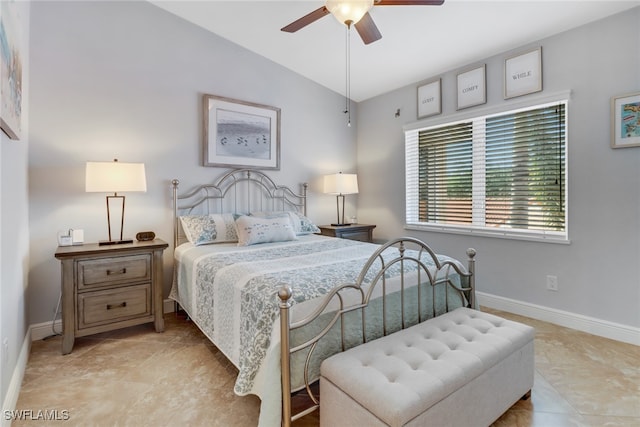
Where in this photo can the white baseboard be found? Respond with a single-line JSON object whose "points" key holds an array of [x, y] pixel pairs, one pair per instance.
{"points": [[43, 330], [11, 398], [602, 328]]}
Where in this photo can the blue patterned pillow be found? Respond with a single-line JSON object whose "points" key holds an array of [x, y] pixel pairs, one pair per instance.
{"points": [[253, 230], [207, 229], [301, 224], [306, 226]]}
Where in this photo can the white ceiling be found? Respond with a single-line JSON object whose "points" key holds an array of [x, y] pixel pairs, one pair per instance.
{"points": [[418, 42]]}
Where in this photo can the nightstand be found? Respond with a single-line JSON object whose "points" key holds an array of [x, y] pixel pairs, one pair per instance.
{"points": [[361, 232], [110, 287]]}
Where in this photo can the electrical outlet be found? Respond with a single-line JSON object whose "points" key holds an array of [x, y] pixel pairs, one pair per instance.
{"points": [[552, 283]]}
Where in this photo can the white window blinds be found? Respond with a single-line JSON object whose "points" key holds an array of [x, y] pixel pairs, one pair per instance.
{"points": [[505, 172]]}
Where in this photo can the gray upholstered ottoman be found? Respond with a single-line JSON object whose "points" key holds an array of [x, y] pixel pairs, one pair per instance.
{"points": [[463, 368]]}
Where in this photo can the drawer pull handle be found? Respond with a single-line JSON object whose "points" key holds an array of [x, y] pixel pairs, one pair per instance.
{"points": [[109, 306], [111, 272]]}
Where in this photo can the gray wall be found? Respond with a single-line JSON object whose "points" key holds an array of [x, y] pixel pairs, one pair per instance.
{"points": [[599, 272], [14, 249], [125, 80]]}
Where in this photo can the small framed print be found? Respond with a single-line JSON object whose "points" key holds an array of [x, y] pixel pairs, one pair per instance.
{"points": [[429, 99], [625, 120], [472, 87], [523, 73], [11, 61]]}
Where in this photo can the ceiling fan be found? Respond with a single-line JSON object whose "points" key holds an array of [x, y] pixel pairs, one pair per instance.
{"points": [[355, 12]]}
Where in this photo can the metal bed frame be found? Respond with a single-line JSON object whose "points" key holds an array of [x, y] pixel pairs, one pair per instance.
{"points": [[423, 278], [247, 190]]}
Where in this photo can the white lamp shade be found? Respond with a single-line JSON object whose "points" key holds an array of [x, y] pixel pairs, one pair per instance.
{"points": [[115, 177], [350, 11], [341, 183]]}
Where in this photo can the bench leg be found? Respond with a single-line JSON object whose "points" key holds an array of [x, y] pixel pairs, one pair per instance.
{"points": [[526, 396]]}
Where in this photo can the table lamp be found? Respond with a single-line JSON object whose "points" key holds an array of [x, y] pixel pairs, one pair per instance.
{"points": [[115, 177], [340, 184]]}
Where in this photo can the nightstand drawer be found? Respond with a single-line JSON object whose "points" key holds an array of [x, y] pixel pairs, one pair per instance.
{"points": [[362, 236], [96, 308], [116, 270], [361, 232]]}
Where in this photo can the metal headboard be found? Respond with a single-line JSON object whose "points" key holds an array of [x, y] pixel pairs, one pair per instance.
{"points": [[237, 191]]}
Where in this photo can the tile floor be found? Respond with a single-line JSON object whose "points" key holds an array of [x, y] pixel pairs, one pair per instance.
{"points": [[136, 377]]}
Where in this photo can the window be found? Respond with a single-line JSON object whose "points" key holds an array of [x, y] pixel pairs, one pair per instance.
{"points": [[502, 174]]}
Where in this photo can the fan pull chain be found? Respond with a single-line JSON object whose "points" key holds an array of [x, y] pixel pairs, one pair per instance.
{"points": [[347, 109]]}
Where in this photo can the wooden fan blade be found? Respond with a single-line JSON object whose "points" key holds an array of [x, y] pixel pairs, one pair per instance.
{"points": [[367, 29], [408, 2], [306, 20]]}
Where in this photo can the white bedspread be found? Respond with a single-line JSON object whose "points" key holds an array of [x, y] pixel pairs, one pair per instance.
{"points": [[230, 292]]}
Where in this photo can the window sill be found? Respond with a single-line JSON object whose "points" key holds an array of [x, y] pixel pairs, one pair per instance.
{"points": [[532, 236]]}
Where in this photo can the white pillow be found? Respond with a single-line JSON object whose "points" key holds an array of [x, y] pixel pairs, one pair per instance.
{"points": [[253, 230], [207, 229], [301, 224]]}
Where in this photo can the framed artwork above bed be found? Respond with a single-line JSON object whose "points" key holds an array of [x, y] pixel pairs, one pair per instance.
{"points": [[240, 134]]}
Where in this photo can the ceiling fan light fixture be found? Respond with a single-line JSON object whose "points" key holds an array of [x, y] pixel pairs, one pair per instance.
{"points": [[349, 12]]}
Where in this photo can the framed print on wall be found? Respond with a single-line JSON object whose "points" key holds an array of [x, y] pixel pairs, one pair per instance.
{"points": [[240, 134], [472, 87], [625, 120], [523, 73], [429, 99], [11, 75]]}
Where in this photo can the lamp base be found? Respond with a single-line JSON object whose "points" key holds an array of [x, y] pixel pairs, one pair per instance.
{"points": [[114, 242], [341, 225]]}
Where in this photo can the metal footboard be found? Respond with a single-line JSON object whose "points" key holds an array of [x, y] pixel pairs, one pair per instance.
{"points": [[392, 292]]}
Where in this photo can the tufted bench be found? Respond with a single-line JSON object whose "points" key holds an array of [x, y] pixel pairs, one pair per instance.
{"points": [[463, 368]]}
